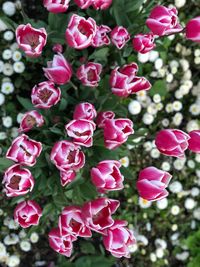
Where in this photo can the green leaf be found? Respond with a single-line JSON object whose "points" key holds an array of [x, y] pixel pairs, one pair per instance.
{"points": [[25, 102], [159, 87], [87, 247], [5, 163]]}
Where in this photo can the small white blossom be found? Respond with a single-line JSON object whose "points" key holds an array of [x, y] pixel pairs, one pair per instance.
{"points": [[2, 99], [155, 154], [192, 125], [179, 164], [19, 67], [159, 253], [143, 203], [8, 35], [25, 245], [182, 256], [177, 105], [165, 122], [153, 55], [169, 78], [134, 107], [34, 237], [162, 204], [175, 210], [190, 203], [158, 63], [7, 88], [196, 214], [9, 8], [177, 119], [156, 98], [179, 3], [169, 108], [175, 187], [7, 121], [17, 55], [7, 54], [194, 109], [165, 166], [7, 69], [153, 257], [148, 119], [3, 135], [13, 261], [143, 58]]}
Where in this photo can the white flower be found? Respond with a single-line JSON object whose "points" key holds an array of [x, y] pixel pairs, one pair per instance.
{"points": [[178, 47], [19, 67], [153, 55], [161, 243], [175, 210], [184, 64], [174, 227], [1, 66], [176, 187], [2, 99], [7, 121], [13, 225], [158, 63], [14, 132], [142, 239], [159, 106], [171, 37], [169, 108], [134, 107], [196, 214], [143, 203], [191, 164], [197, 52], [195, 191], [153, 257], [165, 166], [25, 245], [197, 60], [8, 35], [197, 158], [159, 253], [162, 204], [147, 146], [148, 119], [2, 249], [194, 109], [179, 3], [165, 122], [34, 237], [7, 54], [155, 154], [22, 233], [190, 203], [133, 248], [179, 164], [13, 261], [11, 239], [7, 69], [174, 63], [7, 88], [9, 8], [177, 105], [156, 98], [125, 161], [178, 94], [17, 55], [3, 135], [14, 47], [143, 58], [177, 119], [187, 75], [141, 96], [182, 256], [19, 117], [148, 226], [184, 89], [169, 78], [151, 109], [192, 125]]}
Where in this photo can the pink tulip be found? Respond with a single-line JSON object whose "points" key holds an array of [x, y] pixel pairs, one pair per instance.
{"points": [[66, 177], [31, 40], [143, 43], [119, 36], [194, 141], [45, 95], [123, 81], [56, 6], [81, 131], [101, 4], [116, 132], [80, 32], [152, 183], [84, 111], [24, 150], [59, 70], [163, 21], [17, 181], [57, 48], [172, 142], [101, 38], [83, 4], [89, 74], [61, 244], [30, 120], [106, 176], [97, 213], [118, 238], [67, 156], [27, 213], [103, 116], [71, 222], [193, 30]]}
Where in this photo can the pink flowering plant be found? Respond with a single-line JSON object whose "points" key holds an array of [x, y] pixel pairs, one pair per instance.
{"points": [[63, 172]]}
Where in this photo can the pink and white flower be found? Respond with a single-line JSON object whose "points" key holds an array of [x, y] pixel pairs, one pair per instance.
{"points": [[59, 70], [123, 81], [116, 132], [97, 213], [57, 48], [194, 141], [103, 116], [56, 6], [30, 120], [163, 21], [152, 183], [101, 4], [193, 30], [143, 43], [172, 142], [85, 111], [71, 222], [83, 4], [24, 150], [31, 40], [67, 156], [118, 239], [80, 32], [45, 95], [61, 244], [81, 131], [66, 177], [27, 213], [119, 36], [106, 176], [17, 181], [101, 38], [89, 74]]}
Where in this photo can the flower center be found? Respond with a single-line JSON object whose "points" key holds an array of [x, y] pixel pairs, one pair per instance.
{"points": [[14, 182], [44, 95]]}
